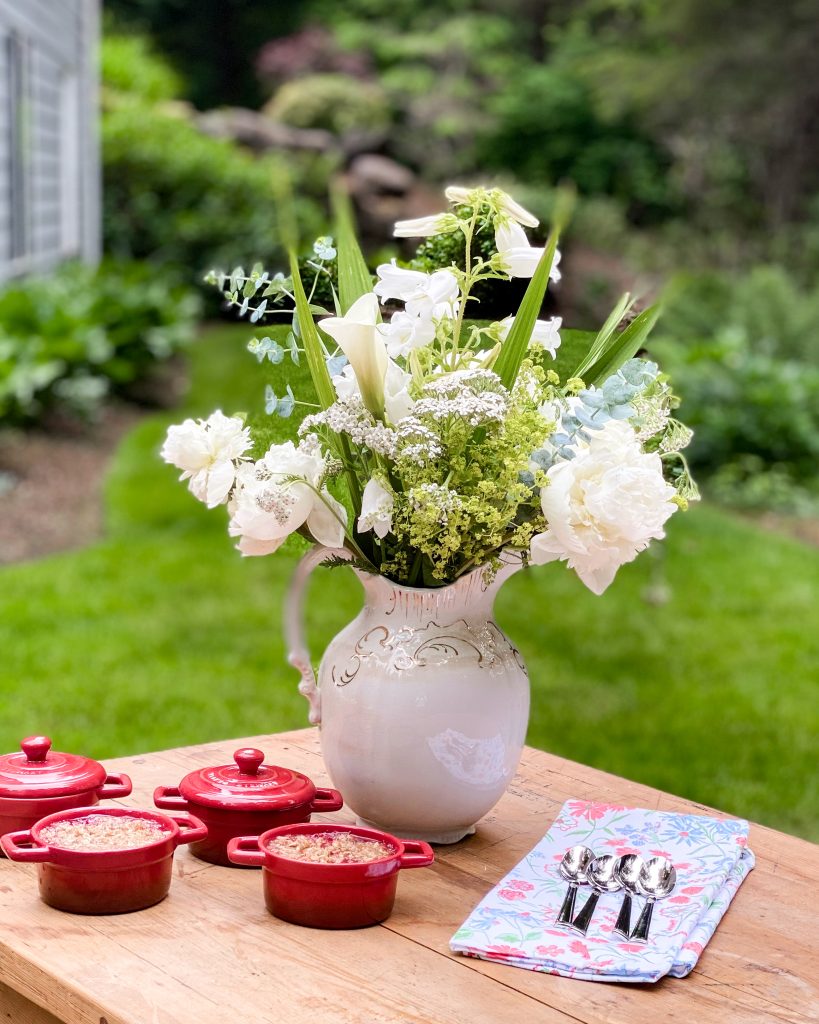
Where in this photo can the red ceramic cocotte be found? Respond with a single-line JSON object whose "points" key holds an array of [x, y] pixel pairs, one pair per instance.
{"points": [[245, 798], [38, 781], [330, 895], [103, 881]]}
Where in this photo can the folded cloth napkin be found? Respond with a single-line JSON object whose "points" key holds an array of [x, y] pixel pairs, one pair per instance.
{"points": [[515, 922]]}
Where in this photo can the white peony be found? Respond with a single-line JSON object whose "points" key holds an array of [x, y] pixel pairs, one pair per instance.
{"points": [[518, 257], [545, 333], [269, 504], [376, 509], [603, 506], [207, 451]]}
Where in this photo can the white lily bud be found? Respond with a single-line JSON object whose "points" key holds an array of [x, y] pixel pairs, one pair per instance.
{"points": [[424, 227], [515, 211]]}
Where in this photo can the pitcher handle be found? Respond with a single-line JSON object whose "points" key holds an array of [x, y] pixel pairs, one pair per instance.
{"points": [[299, 656]]}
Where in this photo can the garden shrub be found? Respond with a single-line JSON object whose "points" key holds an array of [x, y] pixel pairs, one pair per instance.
{"points": [[336, 102], [178, 197], [175, 196], [545, 127], [743, 356], [130, 66], [70, 338]]}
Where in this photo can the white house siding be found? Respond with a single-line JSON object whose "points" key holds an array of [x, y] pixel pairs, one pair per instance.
{"points": [[49, 159]]}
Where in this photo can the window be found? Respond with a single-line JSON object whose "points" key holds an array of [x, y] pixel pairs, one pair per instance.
{"points": [[19, 145], [70, 183]]}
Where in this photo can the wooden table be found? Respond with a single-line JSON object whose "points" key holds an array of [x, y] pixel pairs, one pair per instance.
{"points": [[211, 954]]}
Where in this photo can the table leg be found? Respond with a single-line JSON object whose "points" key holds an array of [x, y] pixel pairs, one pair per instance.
{"points": [[16, 1009]]}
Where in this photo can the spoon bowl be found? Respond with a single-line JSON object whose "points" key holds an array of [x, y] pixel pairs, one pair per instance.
{"points": [[572, 869], [602, 874], [574, 864], [602, 878], [657, 878], [655, 881], [628, 870]]}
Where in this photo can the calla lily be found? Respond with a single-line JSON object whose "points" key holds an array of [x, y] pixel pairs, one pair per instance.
{"points": [[358, 339]]}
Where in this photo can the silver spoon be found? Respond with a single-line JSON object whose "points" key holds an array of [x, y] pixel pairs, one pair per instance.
{"points": [[628, 870], [656, 881], [573, 869], [602, 878]]}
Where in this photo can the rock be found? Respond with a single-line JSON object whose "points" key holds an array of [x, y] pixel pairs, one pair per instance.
{"points": [[371, 173], [258, 132]]}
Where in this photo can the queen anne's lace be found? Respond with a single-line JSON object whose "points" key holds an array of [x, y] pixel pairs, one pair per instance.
{"points": [[348, 416]]}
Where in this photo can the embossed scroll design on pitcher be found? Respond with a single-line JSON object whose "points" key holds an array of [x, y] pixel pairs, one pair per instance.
{"points": [[408, 648]]}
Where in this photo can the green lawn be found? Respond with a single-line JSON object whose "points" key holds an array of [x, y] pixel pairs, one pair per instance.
{"points": [[162, 635]]}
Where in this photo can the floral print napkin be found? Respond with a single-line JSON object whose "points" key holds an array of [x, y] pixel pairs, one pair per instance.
{"points": [[515, 922]]}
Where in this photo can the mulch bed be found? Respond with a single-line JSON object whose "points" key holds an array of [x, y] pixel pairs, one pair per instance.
{"points": [[51, 483]]}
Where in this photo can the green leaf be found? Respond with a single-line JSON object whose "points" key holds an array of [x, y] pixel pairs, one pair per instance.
{"points": [[354, 279], [573, 347], [313, 349], [621, 347], [517, 341], [603, 336]]}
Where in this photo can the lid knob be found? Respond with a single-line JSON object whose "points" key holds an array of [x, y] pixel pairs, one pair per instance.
{"points": [[36, 748], [249, 760]]}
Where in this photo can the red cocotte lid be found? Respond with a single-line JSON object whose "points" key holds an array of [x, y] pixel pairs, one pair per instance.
{"points": [[38, 771], [247, 785]]}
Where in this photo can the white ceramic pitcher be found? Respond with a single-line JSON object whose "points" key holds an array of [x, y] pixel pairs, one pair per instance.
{"points": [[422, 700]]}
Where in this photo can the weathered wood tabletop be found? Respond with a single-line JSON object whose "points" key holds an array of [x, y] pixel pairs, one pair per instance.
{"points": [[210, 953]]}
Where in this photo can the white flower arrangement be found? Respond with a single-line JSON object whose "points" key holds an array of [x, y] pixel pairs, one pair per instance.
{"points": [[439, 444]]}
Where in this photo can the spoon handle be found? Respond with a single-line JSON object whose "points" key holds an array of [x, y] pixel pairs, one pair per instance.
{"points": [[567, 910], [640, 933], [623, 925], [583, 920]]}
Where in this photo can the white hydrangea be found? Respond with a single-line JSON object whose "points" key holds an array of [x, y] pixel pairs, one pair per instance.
{"points": [[278, 495], [604, 506], [208, 452]]}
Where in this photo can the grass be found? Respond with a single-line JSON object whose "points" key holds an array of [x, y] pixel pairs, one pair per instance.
{"points": [[160, 635]]}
